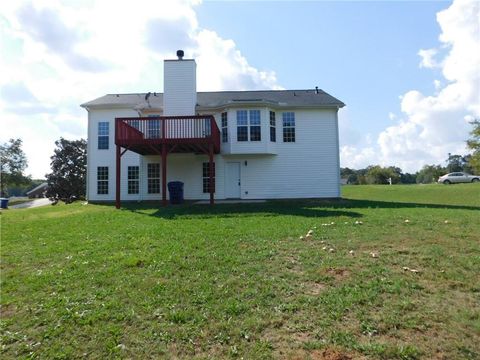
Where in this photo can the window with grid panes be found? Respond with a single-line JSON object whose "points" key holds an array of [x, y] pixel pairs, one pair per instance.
{"points": [[103, 135], [133, 180], [255, 129], [242, 125], [153, 178], [224, 127], [153, 127], [273, 129], [288, 119], [206, 177], [102, 180]]}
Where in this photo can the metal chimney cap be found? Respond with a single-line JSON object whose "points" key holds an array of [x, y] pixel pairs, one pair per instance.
{"points": [[180, 54]]}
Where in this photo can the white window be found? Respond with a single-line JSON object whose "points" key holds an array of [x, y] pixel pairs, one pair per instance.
{"points": [[224, 127], [103, 135], [133, 179], [288, 126], [248, 125], [273, 129], [102, 180], [206, 177], [153, 178]]}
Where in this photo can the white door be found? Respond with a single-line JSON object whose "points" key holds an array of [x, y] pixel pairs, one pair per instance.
{"points": [[232, 180]]}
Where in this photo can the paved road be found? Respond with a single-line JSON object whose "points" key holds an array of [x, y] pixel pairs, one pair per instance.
{"points": [[31, 204]]}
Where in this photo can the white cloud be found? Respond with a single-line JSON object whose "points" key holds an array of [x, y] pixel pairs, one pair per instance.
{"points": [[437, 125], [434, 125], [61, 54], [356, 157], [427, 56], [221, 66]]}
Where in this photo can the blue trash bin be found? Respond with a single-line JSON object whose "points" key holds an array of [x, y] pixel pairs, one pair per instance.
{"points": [[3, 203], [175, 190]]}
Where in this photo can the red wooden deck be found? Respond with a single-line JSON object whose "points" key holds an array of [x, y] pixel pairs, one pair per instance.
{"points": [[163, 135]]}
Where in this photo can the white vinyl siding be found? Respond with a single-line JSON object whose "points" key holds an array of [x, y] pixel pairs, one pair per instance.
{"points": [[306, 168]]}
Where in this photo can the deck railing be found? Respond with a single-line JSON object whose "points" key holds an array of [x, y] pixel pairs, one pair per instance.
{"points": [[166, 129]]}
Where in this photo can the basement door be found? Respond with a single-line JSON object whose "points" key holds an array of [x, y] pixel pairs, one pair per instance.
{"points": [[232, 180]]}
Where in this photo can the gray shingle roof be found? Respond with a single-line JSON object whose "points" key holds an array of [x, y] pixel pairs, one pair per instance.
{"points": [[216, 99]]}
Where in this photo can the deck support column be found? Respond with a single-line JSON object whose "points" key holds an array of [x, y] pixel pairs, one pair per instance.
{"points": [[210, 175], [117, 178], [164, 174]]}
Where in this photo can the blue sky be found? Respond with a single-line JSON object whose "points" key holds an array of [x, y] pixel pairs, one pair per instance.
{"points": [[408, 71], [362, 52]]}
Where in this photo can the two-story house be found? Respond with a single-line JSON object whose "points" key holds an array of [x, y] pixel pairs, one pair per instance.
{"points": [[223, 144]]}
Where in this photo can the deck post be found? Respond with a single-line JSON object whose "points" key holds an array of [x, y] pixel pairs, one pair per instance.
{"points": [[117, 178], [164, 174], [210, 175]]}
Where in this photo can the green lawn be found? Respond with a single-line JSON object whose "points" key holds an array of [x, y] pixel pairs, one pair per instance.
{"points": [[237, 281]]}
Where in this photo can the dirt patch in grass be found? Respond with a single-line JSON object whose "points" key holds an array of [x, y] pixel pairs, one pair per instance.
{"points": [[293, 265], [338, 273], [7, 311], [323, 354], [329, 354], [314, 288], [286, 343]]}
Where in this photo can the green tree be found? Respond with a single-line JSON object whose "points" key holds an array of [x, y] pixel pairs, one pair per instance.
{"points": [[458, 163], [408, 178], [474, 144], [380, 175], [350, 174], [67, 181], [13, 163], [430, 173]]}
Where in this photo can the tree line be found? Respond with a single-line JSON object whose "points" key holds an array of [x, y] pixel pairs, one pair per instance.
{"points": [[376, 174]]}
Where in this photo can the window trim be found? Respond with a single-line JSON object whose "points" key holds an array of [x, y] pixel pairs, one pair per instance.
{"points": [[246, 128], [153, 180], [224, 123], [103, 135], [154, 127], [243, 126], [255, 126], [133, 182], [288, 124], [206, 177], [273, 126], [102, 180]]}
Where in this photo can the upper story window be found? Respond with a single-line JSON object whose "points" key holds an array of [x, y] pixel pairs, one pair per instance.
{"points": [[255, 129], [288, 119], [103, 134], [242, 125], [248, 125], [102, 180], [224, 127], [273, 130], [153, 127]]}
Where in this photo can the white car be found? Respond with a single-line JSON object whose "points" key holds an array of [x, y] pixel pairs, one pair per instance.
{"points": [[458, 177]]}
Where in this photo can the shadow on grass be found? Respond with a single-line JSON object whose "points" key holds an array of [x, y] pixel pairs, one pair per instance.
{"points": [[368, 204], [303, 208], [269, 208]]}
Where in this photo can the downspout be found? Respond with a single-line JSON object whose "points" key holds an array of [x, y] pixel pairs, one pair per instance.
{"points": [[339, 194], [87, 187]]}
